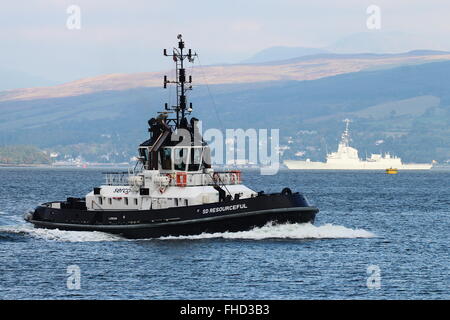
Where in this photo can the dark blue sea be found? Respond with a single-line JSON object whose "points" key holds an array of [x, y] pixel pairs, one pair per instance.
{"points": [[377, 236]]}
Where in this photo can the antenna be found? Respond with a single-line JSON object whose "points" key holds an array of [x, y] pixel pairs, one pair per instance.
{"points": [[178, 57], [347, 121], [345, 139]]}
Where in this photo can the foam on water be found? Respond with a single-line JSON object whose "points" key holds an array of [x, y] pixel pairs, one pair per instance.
{"points": [[60, 235], [286, 231], [269, 231]]}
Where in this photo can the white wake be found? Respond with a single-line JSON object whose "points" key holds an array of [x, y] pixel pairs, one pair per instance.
{"points": [[60, 235], [269, 231], [286, 231]]}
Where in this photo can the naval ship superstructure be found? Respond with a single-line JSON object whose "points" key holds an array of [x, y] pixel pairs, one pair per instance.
{"points": [[346, 158], [173, 189]]}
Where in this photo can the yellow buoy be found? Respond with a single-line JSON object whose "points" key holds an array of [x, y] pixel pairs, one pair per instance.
{"points": [[391, 171]]}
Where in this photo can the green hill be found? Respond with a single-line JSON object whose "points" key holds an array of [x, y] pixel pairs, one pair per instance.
{"points": [[19, 155], [404, 110]]}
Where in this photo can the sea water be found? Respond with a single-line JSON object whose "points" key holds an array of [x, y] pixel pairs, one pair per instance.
{"points": [[377, 236]]}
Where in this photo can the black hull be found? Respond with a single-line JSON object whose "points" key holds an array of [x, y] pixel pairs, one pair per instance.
{"points": [[232, 216]]}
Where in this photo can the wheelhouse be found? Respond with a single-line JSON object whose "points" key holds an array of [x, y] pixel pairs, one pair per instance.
{"points": [[176, 158]]}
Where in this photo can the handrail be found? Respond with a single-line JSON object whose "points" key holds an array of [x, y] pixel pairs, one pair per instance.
{"points": [[221, 178], [116, 178]]}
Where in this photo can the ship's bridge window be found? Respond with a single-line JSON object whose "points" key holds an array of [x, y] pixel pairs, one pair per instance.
{"points": [[195, 159], [206, 157], [144, 153], [166, 158], [180, 158]]}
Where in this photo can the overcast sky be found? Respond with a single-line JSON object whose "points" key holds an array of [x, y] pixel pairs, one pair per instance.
{"points": [[128, 35]]}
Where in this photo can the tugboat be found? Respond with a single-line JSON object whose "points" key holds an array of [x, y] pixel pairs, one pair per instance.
{"points": [[173, 190]]}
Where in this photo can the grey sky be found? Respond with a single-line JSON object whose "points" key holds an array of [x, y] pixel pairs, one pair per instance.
{"points": [[128, 36]]}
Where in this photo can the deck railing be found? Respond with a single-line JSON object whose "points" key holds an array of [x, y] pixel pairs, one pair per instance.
{"points": [[180, 179], [116, 178]]}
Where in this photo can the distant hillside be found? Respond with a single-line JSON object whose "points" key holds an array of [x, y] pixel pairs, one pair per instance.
{"points": [[374, 42], [404, 110], [378, 41], [302, 68], [282, 53], [20, 155]]}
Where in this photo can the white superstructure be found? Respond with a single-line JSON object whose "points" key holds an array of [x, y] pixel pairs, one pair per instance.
{"points": [[346, 158], [172, 184]]}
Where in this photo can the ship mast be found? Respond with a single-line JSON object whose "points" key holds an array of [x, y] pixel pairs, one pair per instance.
{"points": [[182, 85], [345, 140]]}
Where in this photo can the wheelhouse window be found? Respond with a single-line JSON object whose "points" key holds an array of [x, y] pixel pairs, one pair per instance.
{"points": [[145, 155], [196, 158], [166, 158], [206, 158], [180, 158]]}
